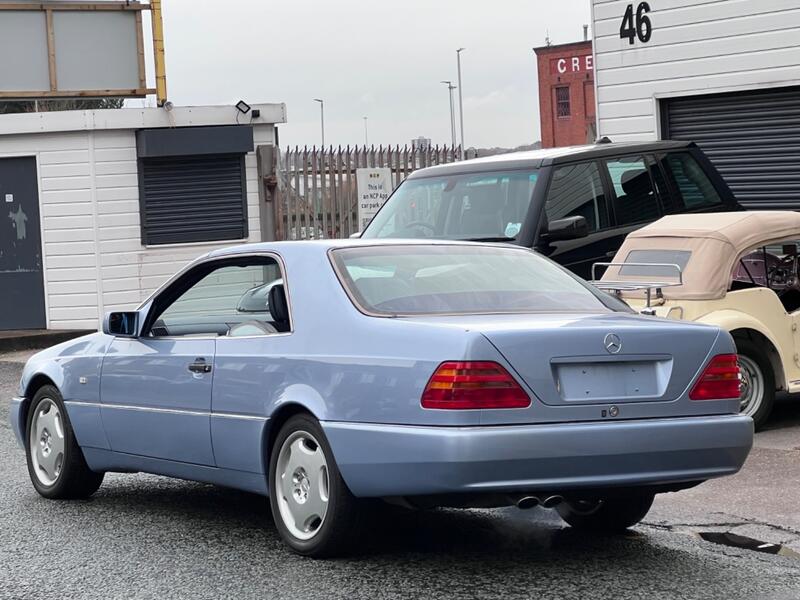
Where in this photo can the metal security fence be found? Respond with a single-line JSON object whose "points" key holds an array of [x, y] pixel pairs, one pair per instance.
{"points": [[317, 195]]}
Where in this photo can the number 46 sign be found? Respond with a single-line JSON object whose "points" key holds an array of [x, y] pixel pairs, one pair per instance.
{"points": [[636, 27]]}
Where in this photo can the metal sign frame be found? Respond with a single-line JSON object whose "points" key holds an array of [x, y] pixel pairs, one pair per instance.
{"points": [[48, 8]]}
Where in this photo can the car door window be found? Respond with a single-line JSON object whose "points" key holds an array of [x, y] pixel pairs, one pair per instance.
{"points": [[635, 199], [695, 189], [229, 298], [577, 190]]}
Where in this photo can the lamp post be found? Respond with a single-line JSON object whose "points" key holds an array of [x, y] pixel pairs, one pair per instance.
{"points": [[321, 118], [460, 101], [450, 88], [366, 135]]}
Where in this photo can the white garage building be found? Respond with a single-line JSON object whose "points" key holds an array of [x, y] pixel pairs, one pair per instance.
{"points": [[722, 73], [98, 208]]}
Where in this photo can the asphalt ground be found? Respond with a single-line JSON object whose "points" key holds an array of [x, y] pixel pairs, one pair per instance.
{"points": [[143, 536]]}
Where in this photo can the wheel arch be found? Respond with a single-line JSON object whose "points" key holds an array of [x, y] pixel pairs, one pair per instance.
{"points": [[34, 384], [277, 419], [744, 326], [38, 381], [770, 349]]}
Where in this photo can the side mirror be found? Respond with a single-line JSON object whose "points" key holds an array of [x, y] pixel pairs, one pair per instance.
{"points": [[568, 228], [121, 324]]}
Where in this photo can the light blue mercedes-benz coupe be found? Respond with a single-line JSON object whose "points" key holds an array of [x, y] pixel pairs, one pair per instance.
{"points": [[324, 374]]}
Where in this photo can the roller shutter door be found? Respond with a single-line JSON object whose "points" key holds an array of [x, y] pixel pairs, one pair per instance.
{"points": [[193, 198], [753, 138]]}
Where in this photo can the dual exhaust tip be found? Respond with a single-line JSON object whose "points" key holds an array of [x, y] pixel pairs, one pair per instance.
{"points": [[527, 502]]}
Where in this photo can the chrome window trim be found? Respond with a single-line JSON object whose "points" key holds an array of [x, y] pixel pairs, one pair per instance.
{"points": [[174, 411], [206, 259], [217, 337]]}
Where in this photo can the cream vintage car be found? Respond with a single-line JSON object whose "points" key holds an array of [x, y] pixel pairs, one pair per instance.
{"points": [[737, 270]]}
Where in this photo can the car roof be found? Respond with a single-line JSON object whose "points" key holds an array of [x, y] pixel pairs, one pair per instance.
{"points": [[326, 244], [547, 156], [739, 229]]}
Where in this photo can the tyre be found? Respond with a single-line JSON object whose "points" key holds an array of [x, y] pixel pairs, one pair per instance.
{"points": [[612, 515], [55, 461], [314, 512], [758, 382]]}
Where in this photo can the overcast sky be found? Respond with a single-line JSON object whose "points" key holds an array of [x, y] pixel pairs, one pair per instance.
{"points": [[379, 59]]}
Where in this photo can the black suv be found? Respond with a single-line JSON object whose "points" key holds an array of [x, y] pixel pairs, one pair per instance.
{"points": [[575, 205]]}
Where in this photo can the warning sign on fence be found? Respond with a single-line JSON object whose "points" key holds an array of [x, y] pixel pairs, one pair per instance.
{"points": [[374, 187]]}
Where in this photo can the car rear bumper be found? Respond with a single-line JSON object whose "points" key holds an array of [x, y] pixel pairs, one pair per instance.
{"points": [[15, 417], [399, 460]]}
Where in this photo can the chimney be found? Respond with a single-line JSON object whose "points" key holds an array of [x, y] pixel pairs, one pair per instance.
{"points": [[585, 33]]}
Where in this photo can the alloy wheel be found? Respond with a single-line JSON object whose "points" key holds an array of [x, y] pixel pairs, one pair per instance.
{"points": [[302, 485], [47, 442]]}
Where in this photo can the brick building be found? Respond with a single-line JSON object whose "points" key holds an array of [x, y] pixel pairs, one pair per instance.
{"points": [[566, 94]]}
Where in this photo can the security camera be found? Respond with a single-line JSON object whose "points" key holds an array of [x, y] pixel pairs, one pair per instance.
{"points": [[168, 106]]}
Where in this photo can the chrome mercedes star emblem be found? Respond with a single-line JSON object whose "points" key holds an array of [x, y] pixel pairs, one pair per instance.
{"points": [[612, 343]]}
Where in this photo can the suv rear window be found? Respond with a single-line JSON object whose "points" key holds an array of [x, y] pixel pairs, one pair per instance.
{"points": [[450, 279], [694, 186], [485, 205], [635, 200]]}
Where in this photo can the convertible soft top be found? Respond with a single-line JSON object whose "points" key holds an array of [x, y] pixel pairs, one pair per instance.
{"points": [[716, 241]]}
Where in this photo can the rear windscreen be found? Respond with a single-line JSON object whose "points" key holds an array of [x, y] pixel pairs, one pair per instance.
{"points": [[661, 258], [441, 279]]}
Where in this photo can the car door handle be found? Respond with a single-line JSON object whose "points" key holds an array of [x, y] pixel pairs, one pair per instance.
{"points": [[200, 366]]}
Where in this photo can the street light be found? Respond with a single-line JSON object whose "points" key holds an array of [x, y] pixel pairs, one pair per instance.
{"points": [[321, 119], [450, 88], [460, 101], [366, 136]]}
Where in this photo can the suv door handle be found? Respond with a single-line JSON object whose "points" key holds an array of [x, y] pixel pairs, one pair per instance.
{"points": [[200, 366]]}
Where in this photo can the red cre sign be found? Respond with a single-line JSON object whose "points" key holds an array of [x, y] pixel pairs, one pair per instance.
{"points": [[571, 64]]}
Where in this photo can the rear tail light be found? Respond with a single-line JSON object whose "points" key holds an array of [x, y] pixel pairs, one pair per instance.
{"points": [[473, 385], [719, 381]]}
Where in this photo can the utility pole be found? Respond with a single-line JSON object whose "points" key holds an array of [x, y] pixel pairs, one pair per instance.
{"points": [[366, 135], [450, 88], [460, 101], [321, 119]]}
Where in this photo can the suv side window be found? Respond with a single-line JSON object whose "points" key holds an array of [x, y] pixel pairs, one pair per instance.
{"points": [[669, 203], [695, 190], [577, 190], [635, 199]]}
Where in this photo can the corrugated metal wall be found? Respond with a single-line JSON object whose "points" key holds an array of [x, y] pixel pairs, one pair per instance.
{"points": [[753, 138], [696, 47]]}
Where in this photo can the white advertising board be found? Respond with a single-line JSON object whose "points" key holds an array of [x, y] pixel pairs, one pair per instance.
{"points": [[70, 49], [374, 187]]}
